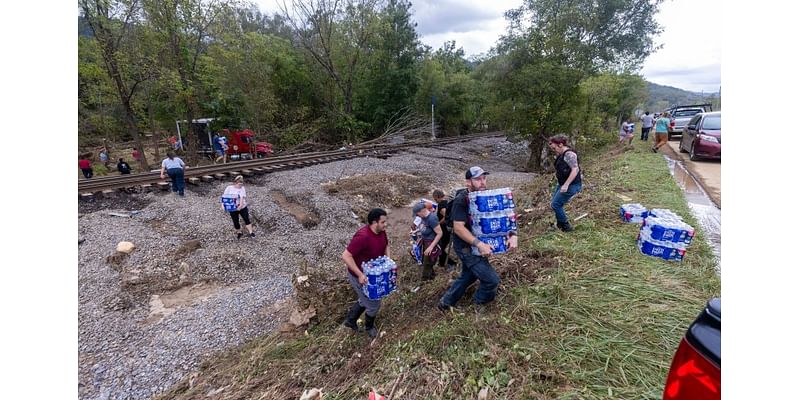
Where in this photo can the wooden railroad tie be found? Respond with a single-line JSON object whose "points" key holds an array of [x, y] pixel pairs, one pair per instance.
{"points": [[194, 180], [219, 176], [108, 194], [87, 196], [147, 188], [163, 185], [247, 172], [234, 173], [207, 178]]}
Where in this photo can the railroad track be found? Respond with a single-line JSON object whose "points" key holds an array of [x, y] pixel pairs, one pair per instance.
{"points": [[109, 185]]}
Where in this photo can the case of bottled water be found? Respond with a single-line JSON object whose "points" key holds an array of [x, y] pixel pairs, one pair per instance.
{"points": [[670, 251], [633, 213], [668, 230], [664, 213], [493, 223], [491, 200], [381, 275], [493, 217], [498, 241]]}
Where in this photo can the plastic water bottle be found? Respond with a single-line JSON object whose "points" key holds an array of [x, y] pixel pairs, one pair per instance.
{"points": [[491, 200]]}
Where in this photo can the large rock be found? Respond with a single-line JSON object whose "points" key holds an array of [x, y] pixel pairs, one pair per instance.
{"points": [[125, 247]]}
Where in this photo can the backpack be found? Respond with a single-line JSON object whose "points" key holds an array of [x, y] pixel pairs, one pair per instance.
{"points": [[448, 217]]}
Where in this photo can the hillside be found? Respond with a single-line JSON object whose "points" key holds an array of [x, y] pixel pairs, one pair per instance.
{"points": [[663, 96]]}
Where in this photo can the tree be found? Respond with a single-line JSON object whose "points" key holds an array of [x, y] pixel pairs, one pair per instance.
{"points": [[111, 23], [553, 45]]}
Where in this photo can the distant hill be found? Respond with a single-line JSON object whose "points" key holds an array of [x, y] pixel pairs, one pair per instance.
{"points": [[662, 97]]}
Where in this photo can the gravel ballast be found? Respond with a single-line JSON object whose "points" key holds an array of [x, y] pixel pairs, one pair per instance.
{"points": [[190, 289]]}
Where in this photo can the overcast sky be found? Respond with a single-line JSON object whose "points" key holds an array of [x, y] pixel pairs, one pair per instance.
{"points": [[689, 60]]}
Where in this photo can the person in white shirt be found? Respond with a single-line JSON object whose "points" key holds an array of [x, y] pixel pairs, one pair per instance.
{"points": [[238, 193], [647, 125], [175, 168]]}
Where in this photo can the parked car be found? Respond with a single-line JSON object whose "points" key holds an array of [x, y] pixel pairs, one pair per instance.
{"points": [[702, 136], [696, 367], [679, 118]]}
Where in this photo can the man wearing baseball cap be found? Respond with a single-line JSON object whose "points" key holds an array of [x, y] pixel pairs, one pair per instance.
{"points": [[472, 267]]}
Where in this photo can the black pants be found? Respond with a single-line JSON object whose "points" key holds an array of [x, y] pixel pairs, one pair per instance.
{"points": [[87, 172], [645, 133], [235, 217], [443, 242]]}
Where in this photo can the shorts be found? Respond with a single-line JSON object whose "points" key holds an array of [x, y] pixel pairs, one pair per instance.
{"points": [[220, 153], [661, 135]]}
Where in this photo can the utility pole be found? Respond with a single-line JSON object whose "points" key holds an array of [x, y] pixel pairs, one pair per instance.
{"points": [[433, 126]]}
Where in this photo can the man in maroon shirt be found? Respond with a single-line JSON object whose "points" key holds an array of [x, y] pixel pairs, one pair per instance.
{"points": [[368, 243]]}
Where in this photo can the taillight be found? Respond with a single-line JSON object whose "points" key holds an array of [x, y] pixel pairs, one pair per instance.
{"points": [[692, 376]]}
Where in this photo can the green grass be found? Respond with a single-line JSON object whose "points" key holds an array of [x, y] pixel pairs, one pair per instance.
{"points": [[582, 315]]}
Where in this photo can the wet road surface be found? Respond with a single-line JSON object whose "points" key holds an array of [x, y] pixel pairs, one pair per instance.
{"points": [[705, 212]]}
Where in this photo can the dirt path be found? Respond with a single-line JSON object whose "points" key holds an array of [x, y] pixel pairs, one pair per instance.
{"points": [[708, 173]]}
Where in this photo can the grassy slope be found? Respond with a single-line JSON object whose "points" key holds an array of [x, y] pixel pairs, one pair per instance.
{"points": [[580, 315]]}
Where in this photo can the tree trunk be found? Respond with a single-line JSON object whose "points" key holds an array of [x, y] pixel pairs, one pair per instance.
{"points": [[536, 145], [152, 126]]}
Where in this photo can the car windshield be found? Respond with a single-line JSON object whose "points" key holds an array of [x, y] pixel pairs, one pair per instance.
{"points": [[686, 113], [713, 122]]}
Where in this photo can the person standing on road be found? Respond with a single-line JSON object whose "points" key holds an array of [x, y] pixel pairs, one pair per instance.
{"points": [[568, 176], [647, 124], [662, 132], [123, 167], [174, 167], [86, 167], [238, 206], [472, 267], [431, 234], [368, 243]]}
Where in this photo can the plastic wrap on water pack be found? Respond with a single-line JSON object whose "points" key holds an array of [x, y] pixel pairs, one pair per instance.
{"points": [[381, 275]]}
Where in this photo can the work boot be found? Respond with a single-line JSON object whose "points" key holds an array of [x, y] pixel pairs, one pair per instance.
{"points": [[369, 326], [566, 227], [352, 316]]}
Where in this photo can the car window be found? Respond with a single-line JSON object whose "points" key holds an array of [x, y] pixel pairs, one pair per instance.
{"points": [[686, 113], [713, 122], [695, 120]]}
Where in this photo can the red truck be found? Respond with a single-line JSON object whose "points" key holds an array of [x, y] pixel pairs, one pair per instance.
{"points": [[242, 145]]}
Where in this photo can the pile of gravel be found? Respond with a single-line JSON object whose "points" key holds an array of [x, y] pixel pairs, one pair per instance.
{"points": [[125, 352]]}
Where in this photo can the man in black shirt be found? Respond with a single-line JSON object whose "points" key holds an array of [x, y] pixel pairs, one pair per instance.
{"points": [[472, 267], [441, 209], [568, 175]]}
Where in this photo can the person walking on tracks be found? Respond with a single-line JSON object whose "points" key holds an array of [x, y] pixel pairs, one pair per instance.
{"points": [[368, 243], [431, 234], [568, 176], [86, 167], [234, 201], [473, 267], [174, 167]]}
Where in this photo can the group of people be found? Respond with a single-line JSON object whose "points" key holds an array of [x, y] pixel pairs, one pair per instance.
{"points": [[660, 122], [371, 240], [85, 165]]}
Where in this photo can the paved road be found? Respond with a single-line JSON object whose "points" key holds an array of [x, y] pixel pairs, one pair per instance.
{"points": [[708, 173]]}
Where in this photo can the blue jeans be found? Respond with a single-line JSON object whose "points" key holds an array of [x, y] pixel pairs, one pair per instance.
{"points": [[176, 174], [473, 268], [560, 199]]}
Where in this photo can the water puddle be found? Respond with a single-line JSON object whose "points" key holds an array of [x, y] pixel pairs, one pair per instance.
{"points": [[705, 212]]}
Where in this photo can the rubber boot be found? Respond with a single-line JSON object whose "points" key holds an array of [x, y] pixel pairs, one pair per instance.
{"points": [[352, 316], [369, 325]]}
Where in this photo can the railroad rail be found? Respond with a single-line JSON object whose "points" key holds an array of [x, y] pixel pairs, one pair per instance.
{"points": [[108, 185]]}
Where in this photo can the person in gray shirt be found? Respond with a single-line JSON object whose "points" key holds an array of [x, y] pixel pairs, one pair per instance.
{"points": [[647, 124], [431, 234]]}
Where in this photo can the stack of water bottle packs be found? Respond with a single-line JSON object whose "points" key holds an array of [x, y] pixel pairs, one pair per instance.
{"points": [[493, 217], [664, 234], [633, 213], [381, 275]]}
